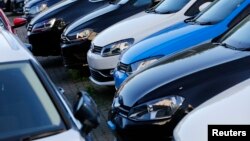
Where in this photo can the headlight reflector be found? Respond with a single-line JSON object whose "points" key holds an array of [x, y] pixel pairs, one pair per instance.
{"points": [[158, 109], [43, 26], [116, 48], [143, 63], [85, 34], [38, 8]]}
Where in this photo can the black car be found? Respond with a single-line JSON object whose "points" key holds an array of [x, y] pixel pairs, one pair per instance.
{"points": [[32, 108], [34, 7], [15, 6], [77, 37], [44, 30], [151, 102]]}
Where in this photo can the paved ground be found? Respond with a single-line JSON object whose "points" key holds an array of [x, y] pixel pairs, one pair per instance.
{"points": [[73, 81]]}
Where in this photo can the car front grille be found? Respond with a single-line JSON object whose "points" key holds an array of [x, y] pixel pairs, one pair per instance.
{"points": [[123, 111], [101, 75], [26, 10], [97, 49], [124, 67], [29, 27], [64, 39]]}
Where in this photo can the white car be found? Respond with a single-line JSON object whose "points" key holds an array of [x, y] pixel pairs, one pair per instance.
{"points": [[231, 107], [109, 44], [31, 107]]}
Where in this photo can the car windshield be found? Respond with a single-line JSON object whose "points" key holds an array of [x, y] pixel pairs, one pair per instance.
{"points": [[25, 106], [238, 37], [169, 6], [217, 11]]}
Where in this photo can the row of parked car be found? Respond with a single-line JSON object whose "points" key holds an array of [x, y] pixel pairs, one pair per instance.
{"points": [[32, 107], [165, 58]]}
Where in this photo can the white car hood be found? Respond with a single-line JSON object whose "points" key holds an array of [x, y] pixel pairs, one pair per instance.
{"points": [[230, 107], [70, 135], [139, 26]]}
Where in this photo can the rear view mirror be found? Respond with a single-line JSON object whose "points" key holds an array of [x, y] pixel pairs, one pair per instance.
{"points": [[18, 22], [86, 112]]}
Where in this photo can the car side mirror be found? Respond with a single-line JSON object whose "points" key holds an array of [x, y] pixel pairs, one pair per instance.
{"points": [[86, 112], [18, 22]]}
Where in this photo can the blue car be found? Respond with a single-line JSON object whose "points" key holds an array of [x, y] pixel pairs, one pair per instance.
{"points": [[210, 23]]}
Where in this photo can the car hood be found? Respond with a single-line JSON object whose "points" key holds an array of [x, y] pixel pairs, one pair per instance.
{"points": [[136, 27], [46, 15], [101, 11], [58, 10], [35, 2], [171, 69], [174, 38], [64, 136], [214, 112]]}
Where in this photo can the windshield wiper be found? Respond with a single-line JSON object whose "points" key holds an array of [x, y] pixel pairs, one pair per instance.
{"points": [[194, 21], [227, 46], [37, 136]]}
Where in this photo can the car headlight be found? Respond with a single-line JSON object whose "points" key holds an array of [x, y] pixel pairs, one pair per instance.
{"points": [[143, 63], [163, 108], [38, 8], [116, 48], [26, 1], [83, 35], [43, 26]]}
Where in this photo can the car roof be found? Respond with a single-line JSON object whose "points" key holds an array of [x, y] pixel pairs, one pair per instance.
{"points": [[12, 49]]}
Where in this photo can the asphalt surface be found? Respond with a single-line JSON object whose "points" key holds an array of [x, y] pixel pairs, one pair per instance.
{"points": [[73, 81]]}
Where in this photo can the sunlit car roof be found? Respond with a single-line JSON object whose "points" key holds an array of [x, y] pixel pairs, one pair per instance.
{"points": [[12, 49]]}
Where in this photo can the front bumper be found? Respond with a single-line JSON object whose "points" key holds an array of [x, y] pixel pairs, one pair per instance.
{"points": [[119, 77], [128, 130], [102, 77], [98, 62], [45, 43], [101, 68], [75, 53]]}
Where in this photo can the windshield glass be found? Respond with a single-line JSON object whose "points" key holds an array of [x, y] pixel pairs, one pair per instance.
{"points": [[25, 106], [218, 11], [169, 6], [238, 37]]}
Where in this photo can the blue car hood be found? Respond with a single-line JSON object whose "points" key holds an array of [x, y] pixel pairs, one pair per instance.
{"points": [[173, 39]]}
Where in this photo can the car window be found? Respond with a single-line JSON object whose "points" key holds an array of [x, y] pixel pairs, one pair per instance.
{"points": [[170, 6], [218, 11], [25, 106], [238, 37], [139, 3], [197, 7]]}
